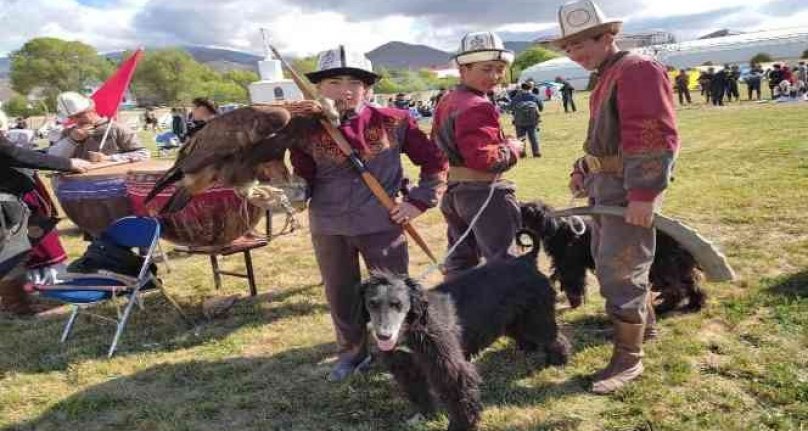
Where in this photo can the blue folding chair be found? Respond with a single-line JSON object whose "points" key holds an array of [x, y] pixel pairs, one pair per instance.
{"points": [[84, 290]]}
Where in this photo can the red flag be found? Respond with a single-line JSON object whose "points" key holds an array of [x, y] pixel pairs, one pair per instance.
{"points": [[109, 96]]}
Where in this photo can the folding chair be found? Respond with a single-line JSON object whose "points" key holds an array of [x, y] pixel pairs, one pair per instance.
{"points": [[84, 290]]}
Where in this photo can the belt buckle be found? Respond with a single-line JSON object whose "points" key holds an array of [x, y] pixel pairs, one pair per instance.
{"points": [[593, 163]]}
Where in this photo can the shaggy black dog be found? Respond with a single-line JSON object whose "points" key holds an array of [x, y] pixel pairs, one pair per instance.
{"points": [[419, 338], [674, 273], [438, 330]]}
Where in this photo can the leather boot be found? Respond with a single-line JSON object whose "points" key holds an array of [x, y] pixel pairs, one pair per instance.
{"points": [[13, 298], [651, 330], [626, 362]]}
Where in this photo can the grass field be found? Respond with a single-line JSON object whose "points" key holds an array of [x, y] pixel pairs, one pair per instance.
{"points": [[740, 364]]}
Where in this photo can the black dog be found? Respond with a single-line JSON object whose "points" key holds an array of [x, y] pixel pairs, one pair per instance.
{"points": [[674, 273], [500, 298]]}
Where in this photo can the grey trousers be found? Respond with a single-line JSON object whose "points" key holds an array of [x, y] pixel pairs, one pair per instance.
{"points": [[338, 259], [491, 238], [623, 253]]}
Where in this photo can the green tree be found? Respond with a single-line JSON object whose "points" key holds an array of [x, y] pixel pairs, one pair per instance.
{"points": [[169, 76], [241, 77], [804, 54], [529, 57], [761, 57], [223, 91], [303, 65], [19, 106], [50, 66], [386, 85]]}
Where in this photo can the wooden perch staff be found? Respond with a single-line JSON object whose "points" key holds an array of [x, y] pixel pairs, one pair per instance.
{"points": [[310, 92]]}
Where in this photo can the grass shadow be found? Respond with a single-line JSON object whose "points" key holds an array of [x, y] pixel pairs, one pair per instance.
{"points": [[285, 391], [33, 345], [502, 371], [793, 285]]}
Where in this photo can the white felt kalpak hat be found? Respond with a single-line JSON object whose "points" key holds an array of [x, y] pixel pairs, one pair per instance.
{"points": [[71, 103], [582, 19], [482, 46], [342, 61]]}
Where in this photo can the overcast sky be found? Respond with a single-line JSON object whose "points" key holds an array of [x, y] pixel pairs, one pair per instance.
{"points": [[303, 27]]}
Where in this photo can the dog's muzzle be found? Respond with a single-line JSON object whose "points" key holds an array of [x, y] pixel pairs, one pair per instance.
{"points": [[385, 342]]}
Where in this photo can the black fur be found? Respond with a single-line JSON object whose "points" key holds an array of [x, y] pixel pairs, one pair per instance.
{"points": [[444, 327], [674, 273], [434, 361], [510, 298]]}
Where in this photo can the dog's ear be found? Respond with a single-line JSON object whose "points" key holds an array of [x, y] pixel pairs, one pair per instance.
{"points": [[528, 210], [418, 301], [363, 289], [550, 224]]}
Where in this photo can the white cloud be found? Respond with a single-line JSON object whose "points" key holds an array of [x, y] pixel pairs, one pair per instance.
{"points": [[307, 33], [22, 20], [306, 27]]}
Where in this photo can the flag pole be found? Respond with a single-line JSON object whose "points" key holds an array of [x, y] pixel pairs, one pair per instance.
{"points": [[106, 134]]}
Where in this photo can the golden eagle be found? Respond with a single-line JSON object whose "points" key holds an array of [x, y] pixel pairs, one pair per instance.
{"points": [[231, 149]]}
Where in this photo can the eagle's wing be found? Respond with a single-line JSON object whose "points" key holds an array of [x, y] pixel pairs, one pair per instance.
{"points": [[224, 140], [232, 135]]}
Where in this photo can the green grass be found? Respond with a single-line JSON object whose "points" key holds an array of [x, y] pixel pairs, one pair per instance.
{"points": [[740, 364]]}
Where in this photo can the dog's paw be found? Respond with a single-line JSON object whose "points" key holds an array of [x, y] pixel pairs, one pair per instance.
{"points": [[415, 420], [558, 353]]}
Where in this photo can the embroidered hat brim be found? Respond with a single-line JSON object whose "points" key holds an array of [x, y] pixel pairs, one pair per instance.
{"points": [[369, 78], [613, 27], [484, 55]]}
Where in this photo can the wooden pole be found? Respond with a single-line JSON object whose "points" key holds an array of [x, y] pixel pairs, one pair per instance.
{"points": [[310, 92]]}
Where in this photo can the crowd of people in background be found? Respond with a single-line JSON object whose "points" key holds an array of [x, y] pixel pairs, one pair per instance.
{"points": [[717, 85], [722, 85]]}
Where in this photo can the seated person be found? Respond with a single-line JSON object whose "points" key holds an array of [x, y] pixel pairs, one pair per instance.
{"points": [[82, 139], [204, 111], [17, 180]]}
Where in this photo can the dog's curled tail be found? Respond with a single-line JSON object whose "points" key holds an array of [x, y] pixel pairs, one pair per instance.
{"points": [[534, 244]]}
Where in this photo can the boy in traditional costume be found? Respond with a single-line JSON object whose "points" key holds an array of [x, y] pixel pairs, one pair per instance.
{"points": [[630, 148], [466, 127], [346, 220]]}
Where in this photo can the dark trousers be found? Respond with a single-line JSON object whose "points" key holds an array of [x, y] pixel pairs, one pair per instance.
{"points": [[338, 259], [753, 87], [732, 91], [718, 96], [684, 94], [491, 238], [707, 93], [569, 102], [532, 133]]}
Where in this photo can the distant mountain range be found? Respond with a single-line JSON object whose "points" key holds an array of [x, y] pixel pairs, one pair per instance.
{"points": [[400, 55], [391, 55], [219, 59]]}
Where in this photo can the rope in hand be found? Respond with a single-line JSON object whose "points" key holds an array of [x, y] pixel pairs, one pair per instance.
{"points": [[442, 265]]}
